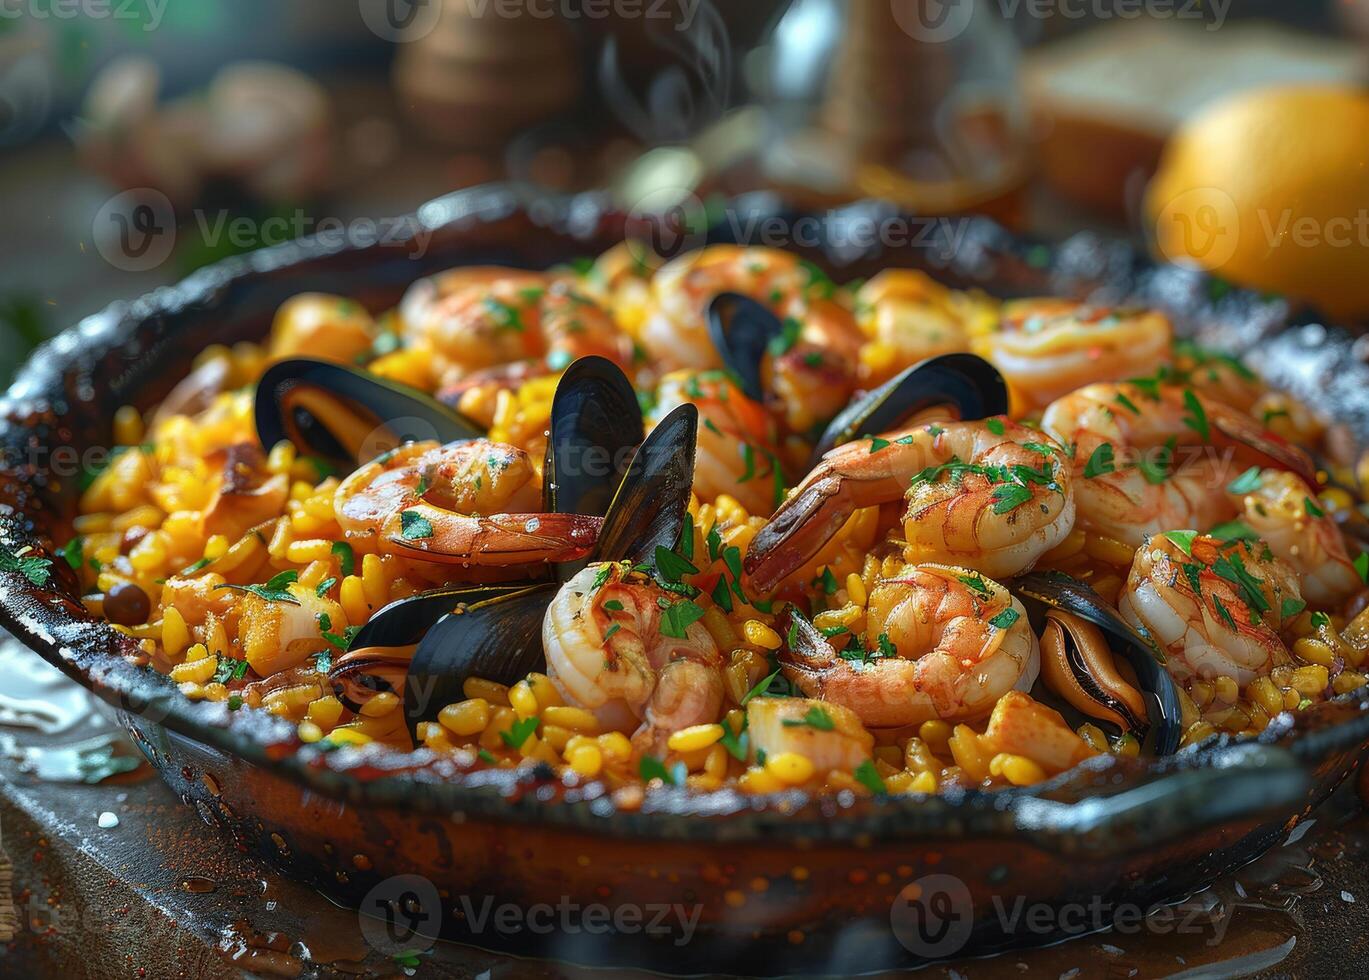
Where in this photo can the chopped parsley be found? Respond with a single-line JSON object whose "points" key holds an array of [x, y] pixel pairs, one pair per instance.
{"points": [[650, 768], [1005, 619], [995, 426], [1362, 566], [1312, 509], [1232, 568], [1009, 496], [276, 590], [1101, 461], [785, 340], [868, 776], [1222, 611], [1156, 470], [324, 586], [229, 669], [815, 717], [1234, 531], [876, 443], [671, 566], [74, 553], [1291, 608], [1126, 402], [520, 732], [1184, 539], [1247, 482], [413, 526], [827, 580], [36, 569], [1320, 619], [1196, 419], [762, 688], [976, 583], [677, 617]]}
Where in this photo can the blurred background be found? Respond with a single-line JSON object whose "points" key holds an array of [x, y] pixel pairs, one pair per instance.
{"points": [[143, 139]]}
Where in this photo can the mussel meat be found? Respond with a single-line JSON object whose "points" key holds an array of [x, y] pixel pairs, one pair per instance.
{"points": [[347, 416], [1083, 640]]}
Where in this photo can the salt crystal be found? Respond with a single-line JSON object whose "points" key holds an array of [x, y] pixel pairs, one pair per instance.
{"points": [[107, 820]]}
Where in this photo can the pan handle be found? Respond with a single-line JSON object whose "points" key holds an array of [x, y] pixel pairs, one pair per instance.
{"points": [[1242, 782]]}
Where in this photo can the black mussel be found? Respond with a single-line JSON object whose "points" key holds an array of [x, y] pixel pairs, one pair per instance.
{"points": [[431, 643], [742, 331], [347, 416], [648, 511], [966, 382], [1082, 640], [498, 639], [378, 656], [596, 425]]}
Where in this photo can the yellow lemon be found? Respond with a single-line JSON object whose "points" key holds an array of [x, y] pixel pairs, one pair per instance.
{"points": [[1270, 189]]}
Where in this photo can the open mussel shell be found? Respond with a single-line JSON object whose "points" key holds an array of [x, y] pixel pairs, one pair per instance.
{"points": [[596, 424], [741, 330], [379, 657], [498, 639], [1083, 674], [965, 382], [650, 506], [347, 416]]}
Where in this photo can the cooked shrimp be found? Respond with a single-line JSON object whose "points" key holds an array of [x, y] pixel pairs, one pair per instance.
{"points": [[1215, 607], [992, 495], [736, 454], [467, 503], [943, 642], [1284, 512], [675, 334], [907, 317], [605, 637], [471, 320], [1145, 459], [333, 328], [776, 725], [1047, 348]]}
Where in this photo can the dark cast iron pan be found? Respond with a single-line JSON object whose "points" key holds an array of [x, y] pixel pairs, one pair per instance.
{"points": [[780, 884]]}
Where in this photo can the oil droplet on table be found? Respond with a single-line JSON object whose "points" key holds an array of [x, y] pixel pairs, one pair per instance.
{"points": [[198, 885]]}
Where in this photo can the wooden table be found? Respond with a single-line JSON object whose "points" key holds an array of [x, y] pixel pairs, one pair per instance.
{"points": [[161, 895]]}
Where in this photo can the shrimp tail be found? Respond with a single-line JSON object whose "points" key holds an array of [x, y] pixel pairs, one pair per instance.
{"points": [[1245, 431], [798, 530], [499, 539]]}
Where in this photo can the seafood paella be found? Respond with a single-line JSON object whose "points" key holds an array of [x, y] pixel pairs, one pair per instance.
{"points": [[725, 523]]}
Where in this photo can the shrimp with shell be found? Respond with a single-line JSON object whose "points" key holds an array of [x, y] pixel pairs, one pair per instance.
{"points": [[465, 503], [1215, 607], [939, 642], [992, 495], [623, 647]]}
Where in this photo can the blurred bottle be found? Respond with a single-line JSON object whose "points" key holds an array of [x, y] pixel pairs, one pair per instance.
{"points": [[916, 101]]}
